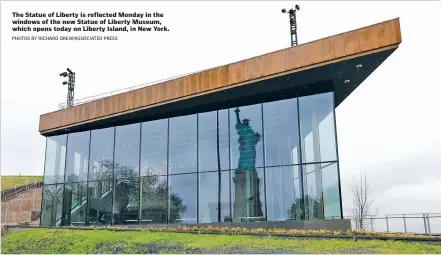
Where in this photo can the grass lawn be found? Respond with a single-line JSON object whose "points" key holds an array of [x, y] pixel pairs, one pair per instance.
{"points": [[9, 181], [102, 241]]}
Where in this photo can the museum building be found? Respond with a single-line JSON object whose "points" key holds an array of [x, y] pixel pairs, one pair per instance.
{"points": [[251, 141]]}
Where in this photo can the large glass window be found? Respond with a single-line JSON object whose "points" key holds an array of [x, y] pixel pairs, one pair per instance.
{"points": [[210, 195], [127, 152], [245, 132], [183, 198], [183, 144], [75, 204], [313, 191], [317, 128], [55, 159], [77, 160], [126, 183], [213, 141], [154, 147], [101, 154], [283, 194], [154, 199], [331, 191], [52, 205], [100, 202], [248, 163], [281, 133], [248, 197], [126, 202]]}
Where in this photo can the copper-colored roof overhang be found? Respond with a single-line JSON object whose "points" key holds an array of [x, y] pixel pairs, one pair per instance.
{"points": [[318, 66]]}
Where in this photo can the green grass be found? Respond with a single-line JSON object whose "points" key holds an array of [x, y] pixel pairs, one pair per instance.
{"points": [[57, 241], [9, 181]]}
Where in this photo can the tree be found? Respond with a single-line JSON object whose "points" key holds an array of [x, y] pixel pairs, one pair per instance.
{"points": [[362, 201]]}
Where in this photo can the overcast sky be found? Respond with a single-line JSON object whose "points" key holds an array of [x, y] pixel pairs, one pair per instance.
{"points": [[388, 128]]}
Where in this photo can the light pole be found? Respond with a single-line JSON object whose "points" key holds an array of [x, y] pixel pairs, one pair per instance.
{"points": [[293, 23], [70, 87]]}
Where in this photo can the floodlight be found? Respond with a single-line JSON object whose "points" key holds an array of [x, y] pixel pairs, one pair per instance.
{"points": [[64, 82], [292, 23], [63, 74]]}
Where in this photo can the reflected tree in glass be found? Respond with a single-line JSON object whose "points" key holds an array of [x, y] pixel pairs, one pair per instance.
{"points": [[126, 201], [100, 202], [55, 159], [154, 192], [52, 205]]}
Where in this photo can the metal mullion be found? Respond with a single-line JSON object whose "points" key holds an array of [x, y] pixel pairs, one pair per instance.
{"points": [[229, 164], [139, 175], [42, 187], [87, 181], [197, 168], [112, 221], [301, 181], [64, 182], [336, 150], [264, 164], [168, 172]]}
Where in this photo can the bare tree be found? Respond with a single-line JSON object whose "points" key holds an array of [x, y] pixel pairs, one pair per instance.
{"points": [[362, 202]]}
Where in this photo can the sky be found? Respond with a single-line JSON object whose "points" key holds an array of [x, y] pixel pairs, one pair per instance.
{"points": [[388, 128]]}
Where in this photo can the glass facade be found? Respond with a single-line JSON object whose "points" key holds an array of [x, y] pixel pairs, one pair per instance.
{"points": [[272, 161]]}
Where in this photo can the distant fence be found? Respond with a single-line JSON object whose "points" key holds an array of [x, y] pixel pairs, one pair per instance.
{"points": [[418, 223]]}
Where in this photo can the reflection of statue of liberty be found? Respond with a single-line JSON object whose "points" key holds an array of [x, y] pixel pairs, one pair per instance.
{"points": [[246, 182]]}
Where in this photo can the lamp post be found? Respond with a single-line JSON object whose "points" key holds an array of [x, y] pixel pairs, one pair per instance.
{"points": [[70, 87], [292, 23]]}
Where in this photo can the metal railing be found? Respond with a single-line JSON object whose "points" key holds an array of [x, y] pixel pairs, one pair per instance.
{"points": [[120, 91], [417, 223], [19, 189]]}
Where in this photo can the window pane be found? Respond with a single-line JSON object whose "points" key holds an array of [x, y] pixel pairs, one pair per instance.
{"points": [[101, 154], [100, 202], [209, 196], [281, 132], [154, 147], [317, 128], [77, 160], [154, 199], [208, 141], [248, 198], [127, 152], [284, 196], [75, 203], [52, 205], [183, 144], [126, 203], [183, 198], [313, 192], [245, 132], [331, 193], [55, 159]]}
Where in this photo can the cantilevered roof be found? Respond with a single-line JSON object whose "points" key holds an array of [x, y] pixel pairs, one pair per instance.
{"points": [[322, 65]]}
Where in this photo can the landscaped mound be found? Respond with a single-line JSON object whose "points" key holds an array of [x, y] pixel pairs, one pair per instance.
{"points": [[63, 241]]}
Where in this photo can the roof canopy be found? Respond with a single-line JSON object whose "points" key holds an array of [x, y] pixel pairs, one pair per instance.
{"points": [[318, 66]]}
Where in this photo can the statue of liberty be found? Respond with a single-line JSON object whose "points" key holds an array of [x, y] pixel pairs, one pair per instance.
{"points": [[247, 202]]}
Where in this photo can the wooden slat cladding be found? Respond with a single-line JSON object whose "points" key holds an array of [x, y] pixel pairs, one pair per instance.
{"points": [[236, 74]]}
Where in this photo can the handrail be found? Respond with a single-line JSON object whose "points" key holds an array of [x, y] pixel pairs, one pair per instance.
{"points": [[35, 180], [120, 91], [13, 192]]}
